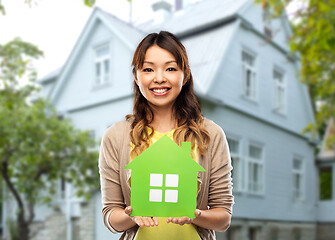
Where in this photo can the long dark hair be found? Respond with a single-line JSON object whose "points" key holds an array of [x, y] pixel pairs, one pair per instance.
{"points": [[187, 110]]}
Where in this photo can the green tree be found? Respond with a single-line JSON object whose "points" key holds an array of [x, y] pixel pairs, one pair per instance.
{"points": [[36, 147], [313, 39]]}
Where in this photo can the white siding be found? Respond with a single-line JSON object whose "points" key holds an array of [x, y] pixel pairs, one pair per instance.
{"points": [[228, 86], [279, 149], [79, 91]]}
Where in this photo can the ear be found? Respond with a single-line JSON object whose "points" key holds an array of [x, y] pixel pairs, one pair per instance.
{"points": [[184, 80], [135, 78]]}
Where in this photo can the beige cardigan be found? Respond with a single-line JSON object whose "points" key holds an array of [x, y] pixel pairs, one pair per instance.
{"points": [[216, 182]]}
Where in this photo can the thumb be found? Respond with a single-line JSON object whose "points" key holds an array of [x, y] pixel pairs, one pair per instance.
{"points": [[128, 210], [197, 213]]}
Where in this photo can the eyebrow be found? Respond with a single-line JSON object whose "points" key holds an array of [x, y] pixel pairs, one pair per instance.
{"points": [[165, 63]]}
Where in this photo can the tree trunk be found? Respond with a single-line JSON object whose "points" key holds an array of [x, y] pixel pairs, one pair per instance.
{"points": [[23, 227], [22, 223]]}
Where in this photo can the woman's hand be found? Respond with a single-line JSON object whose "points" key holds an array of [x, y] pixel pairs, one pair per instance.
{"points": [[184, 220], [141, 221]]}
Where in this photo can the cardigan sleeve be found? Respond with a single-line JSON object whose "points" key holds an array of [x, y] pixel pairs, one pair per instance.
{"points": [[220, 182], [111, 192]]}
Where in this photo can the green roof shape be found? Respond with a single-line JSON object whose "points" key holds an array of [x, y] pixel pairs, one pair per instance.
{"points": [[164, 180]]}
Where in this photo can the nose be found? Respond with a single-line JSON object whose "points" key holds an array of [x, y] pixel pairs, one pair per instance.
{"points": [[159, 77]]}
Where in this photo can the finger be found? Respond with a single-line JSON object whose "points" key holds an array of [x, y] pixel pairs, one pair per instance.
{"points": [[187, 220], [146, 221], [139, 221], [169, 220], [151, 221], [128, 210], [197, 213], [181, 221], [177, 221], [155, 219]]}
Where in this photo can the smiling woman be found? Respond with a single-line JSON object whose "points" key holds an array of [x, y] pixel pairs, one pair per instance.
{"points": [[160, 80], [165, 104]]}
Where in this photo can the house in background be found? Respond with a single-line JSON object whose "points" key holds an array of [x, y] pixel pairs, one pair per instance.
{"points": [[247, 82]]}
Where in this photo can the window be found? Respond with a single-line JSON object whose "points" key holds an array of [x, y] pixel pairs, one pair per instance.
{"points": [[255, 169], [298, 176], [102, 65], [325, 183], [279, 91], [170, 192], [238, 166], [274, 234], [296, 234], [62, 188], [249, 75], [233, 233], [253, 233]]}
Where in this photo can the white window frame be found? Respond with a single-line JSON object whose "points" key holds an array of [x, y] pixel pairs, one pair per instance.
{"points": [[298, 194], [251, 91], [279, 105], [239, 167], [103, 79], [255, 162], [162, 189]]}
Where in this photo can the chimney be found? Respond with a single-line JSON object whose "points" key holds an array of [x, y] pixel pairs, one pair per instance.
{"points": [[178, 5], [162, 11], [181, 4]]}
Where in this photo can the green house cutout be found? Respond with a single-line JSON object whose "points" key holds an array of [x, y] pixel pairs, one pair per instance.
{"points": [[164, 180]]}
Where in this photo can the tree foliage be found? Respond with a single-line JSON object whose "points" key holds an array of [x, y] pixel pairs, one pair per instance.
{"points": [[313, 39], [37, 148]]}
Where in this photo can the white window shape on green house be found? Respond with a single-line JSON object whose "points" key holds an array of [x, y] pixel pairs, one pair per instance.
{"points": [[237, 162], [255, 170], [279, 91], [298, 178], [249, 75], [171, 182], [102, 65]]}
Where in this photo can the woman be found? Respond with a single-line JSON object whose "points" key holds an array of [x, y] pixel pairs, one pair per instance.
{"points": [[165, 104]]}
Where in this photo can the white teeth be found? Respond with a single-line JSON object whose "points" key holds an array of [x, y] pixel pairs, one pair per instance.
{"points": [[159, 90]]}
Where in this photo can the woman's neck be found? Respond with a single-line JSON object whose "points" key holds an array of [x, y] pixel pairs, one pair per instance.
{"points": [[164, 120]]}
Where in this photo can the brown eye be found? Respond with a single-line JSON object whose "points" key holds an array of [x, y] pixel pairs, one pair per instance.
{"points": [[171, 69], [147, 70]]}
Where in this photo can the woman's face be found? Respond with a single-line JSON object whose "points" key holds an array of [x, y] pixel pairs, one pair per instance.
{"points": [[160, 80]]}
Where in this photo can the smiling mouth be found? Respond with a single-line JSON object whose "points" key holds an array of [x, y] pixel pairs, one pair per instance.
{"points": [[160, 90]]}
